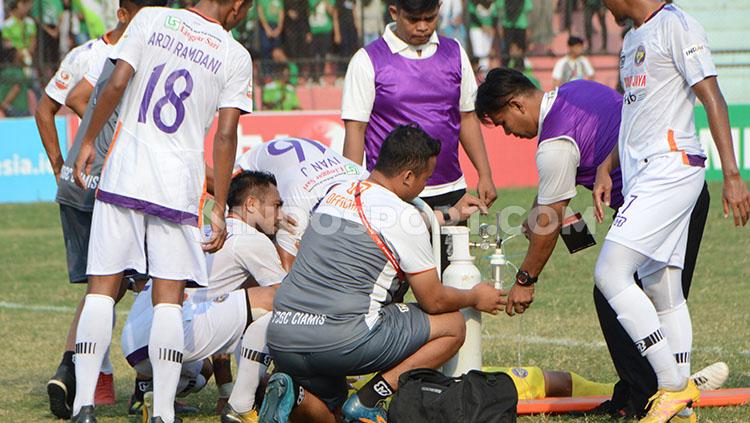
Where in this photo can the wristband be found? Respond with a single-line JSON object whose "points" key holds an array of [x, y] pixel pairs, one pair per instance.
{"points": [[446, 215], [225, 390]]}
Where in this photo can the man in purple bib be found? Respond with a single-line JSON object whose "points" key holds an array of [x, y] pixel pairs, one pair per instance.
{"points": [[412, 75], [577, 126]]}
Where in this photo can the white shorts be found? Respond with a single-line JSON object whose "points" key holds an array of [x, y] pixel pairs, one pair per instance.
{"points": [[481, 42], [655, 216], [213, 327], [122, 239]]}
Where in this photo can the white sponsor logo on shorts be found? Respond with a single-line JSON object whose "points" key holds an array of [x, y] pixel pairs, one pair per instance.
{"points": [[402, 307]]}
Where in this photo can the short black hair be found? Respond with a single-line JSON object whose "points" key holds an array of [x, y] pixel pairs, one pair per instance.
{"points": [[144, 3], [247, 183], [574, 41], [500, 85], [417, 6], [407, 147]]}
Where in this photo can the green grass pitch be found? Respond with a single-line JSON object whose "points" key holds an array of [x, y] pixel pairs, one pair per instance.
{"points": [[559, 332]]}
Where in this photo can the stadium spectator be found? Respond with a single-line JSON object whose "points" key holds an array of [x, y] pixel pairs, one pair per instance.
{"points": [[279, 93], [271, 18], [541, 31], [573, 66], [515, 21], [566, 8], [14, 85], [323, 32], [19, 32], [296, 29], [350, 28], [347, 287], [522, 64], [452, 20], [373, 20], [69, 25], [47, 13], [388, 84], [595, 8], [245, 32], [482, 23]]}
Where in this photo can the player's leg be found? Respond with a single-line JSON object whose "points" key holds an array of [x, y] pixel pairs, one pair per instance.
{"points": [[94, 335], [166, 344], [253, 360], [613, 275], [415, 340], [174, 256]]}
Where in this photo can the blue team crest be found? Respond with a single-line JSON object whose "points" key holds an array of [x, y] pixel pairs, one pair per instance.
{"points": [[640, 55], [520, 372]]}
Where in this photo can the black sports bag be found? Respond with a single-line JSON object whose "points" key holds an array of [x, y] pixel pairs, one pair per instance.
{"points": [[426, 395]]}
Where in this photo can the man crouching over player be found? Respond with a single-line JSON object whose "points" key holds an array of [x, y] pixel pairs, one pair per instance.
{"points": [[335, 313]]}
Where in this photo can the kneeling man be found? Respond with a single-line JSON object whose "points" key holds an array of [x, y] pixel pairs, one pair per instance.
{"points": [[335, 313]]}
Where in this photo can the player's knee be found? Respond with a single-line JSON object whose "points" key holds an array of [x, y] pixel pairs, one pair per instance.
{"points": [[457, 327]]}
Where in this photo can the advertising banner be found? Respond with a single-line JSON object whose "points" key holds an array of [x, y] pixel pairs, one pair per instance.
{"points": [[25, 172]]}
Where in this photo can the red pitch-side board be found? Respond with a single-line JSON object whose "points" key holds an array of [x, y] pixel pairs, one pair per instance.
{"points": [[511, 159]]}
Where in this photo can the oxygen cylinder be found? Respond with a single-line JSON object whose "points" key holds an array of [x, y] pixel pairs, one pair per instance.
{"points": [[463, 274]]}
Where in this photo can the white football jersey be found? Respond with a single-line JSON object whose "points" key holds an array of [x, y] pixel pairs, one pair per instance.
{"points": [[186, 68], [304, 170], [100, 52], [71, 70], [660, 61]]}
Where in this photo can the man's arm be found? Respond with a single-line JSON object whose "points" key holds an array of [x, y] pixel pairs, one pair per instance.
{"points": [[354, 140], [45, 123], [108, 100], [544, 223], [435, 298], [602, 191], [225, 149], [78, 99], [471, 139], [10, 97], [735, 194]]}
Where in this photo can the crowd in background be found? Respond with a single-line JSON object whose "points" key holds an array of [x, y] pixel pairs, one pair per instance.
{"points": [[308, 42]]}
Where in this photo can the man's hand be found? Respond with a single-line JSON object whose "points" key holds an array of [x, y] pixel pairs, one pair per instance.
{"points": [[735, 197], [288, 223], [602, 193], [489, 299], [466, 206], [218, 230], [519, 299], [84, 161], [57, 169], [486, 190]]}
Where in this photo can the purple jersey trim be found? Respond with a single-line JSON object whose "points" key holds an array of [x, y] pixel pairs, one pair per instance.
{"points": [[166, 213]]}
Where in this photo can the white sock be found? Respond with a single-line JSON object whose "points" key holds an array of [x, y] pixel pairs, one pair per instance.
{"points": [[93, 336], [106, 363], [165, 349], [678, 329], [253, 363], [638, 317]]}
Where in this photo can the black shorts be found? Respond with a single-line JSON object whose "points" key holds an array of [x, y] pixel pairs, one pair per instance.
{"points": [[404, 329], [76, 227]]}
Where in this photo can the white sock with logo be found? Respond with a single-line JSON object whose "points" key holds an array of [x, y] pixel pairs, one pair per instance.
{"points": [[253, 362]]}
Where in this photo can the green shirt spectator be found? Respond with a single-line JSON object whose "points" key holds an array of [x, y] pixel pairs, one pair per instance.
{"points": [[14, 91], [278, 95], [321, 21], [20, 33], [520, 21], [271, 10], [483, 13], [50, 11]]}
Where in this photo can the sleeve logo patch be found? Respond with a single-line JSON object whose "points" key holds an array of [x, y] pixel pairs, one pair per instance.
{"points": [[695, 50]]}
